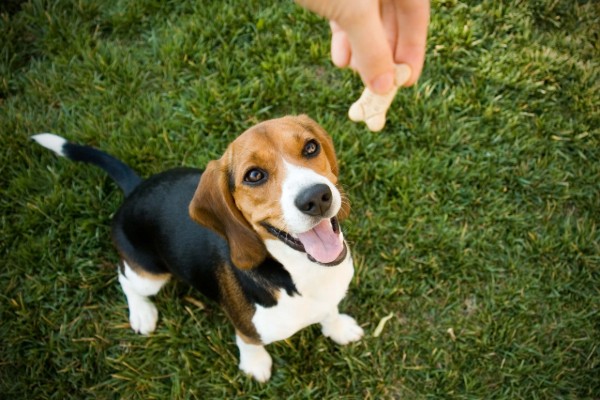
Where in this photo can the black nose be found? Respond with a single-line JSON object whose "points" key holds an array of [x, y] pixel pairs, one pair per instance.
{"points": [[315, 200]]}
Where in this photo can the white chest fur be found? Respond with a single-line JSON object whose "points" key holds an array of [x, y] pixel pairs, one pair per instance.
{"points": [[320, 290]]}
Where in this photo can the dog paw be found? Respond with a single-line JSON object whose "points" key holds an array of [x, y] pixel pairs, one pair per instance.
{"points": [[343, 329], [143, 316], [257, 364]]}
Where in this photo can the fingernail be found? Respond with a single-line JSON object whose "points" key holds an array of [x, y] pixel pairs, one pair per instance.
{"points": [[383, 83]]}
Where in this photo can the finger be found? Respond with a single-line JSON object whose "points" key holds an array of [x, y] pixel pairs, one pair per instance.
{"points": [[371, 55], [340, 47], [390, 21], [412, 23]]}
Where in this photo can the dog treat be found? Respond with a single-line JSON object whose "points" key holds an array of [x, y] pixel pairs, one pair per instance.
{"points": [[371, 107]]}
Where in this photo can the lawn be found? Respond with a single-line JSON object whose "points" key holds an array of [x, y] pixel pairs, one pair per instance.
{"points": [[474, 218]]}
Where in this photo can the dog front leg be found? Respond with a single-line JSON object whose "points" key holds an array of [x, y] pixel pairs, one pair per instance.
{"points": [[254, 359], [341, 328]]}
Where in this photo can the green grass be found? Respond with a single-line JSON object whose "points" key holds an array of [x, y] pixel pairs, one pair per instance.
{"points": [[475, 213]]}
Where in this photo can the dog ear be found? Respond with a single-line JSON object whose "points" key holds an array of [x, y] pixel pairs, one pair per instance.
{"points": [[213, 206]]}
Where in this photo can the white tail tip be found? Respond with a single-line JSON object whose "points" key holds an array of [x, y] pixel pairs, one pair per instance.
{"points": [[51, 141]]}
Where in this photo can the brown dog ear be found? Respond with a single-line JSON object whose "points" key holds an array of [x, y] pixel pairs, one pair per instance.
{"points": [[213, 207]]}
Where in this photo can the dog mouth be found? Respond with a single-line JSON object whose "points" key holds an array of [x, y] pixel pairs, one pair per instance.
{"points": [[322, 244]]}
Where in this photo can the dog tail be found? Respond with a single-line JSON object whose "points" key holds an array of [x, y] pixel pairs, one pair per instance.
{"points": [[122, 174]]}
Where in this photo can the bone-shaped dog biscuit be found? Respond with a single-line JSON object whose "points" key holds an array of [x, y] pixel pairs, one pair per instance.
{"points": [[371, 107]]}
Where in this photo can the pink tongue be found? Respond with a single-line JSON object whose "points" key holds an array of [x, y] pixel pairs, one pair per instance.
{"points": [[322, 243]]}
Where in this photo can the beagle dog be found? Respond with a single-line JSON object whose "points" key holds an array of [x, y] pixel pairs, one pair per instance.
{"points": [[258, 231]]}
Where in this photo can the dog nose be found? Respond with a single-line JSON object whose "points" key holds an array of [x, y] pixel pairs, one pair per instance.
{"points": [[315, 200]]}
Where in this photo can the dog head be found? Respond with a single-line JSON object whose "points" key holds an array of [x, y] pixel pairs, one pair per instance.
{"points": [[277, 180]]}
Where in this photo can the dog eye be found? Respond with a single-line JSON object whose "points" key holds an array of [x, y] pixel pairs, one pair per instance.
{"points": [[311, 148], [255, 176]]}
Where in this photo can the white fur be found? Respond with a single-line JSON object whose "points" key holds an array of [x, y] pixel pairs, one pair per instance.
{"points": [[142, 312], [296, 221], [320, 291], [320, 288], [51, 141], [254, 360], [341, 328]]}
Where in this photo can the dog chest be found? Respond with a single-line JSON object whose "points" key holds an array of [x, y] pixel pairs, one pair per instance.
{"points": [[320, 290]]}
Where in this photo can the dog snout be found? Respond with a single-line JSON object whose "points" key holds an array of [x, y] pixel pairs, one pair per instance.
{"points": [[315, 200]]}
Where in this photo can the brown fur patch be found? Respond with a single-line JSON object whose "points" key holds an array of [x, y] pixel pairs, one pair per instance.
{"points": [[247, 339], [213, 206], [139, 270], [236, 306]]}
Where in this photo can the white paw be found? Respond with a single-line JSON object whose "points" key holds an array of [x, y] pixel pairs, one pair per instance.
{"points": [[256, 363], [343, 329], [142, 316]]}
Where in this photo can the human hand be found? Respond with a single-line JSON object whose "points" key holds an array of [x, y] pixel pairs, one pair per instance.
{"points": [[371, 36]]}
